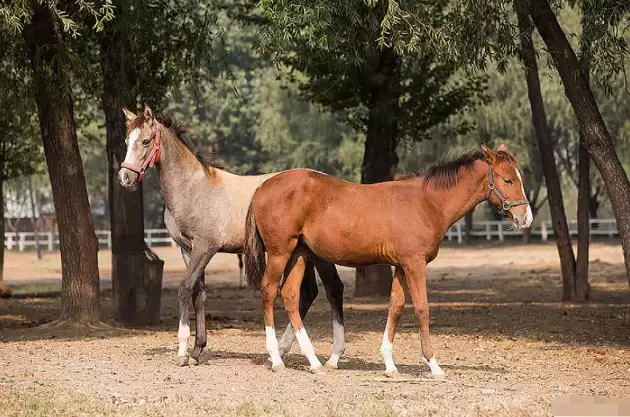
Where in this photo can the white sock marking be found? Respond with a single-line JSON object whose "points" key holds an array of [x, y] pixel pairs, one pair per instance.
{"points": [[307, 348], [183, 333], [436, 370], [271, 344], [387, 351], [339, 344], [287, 340]]}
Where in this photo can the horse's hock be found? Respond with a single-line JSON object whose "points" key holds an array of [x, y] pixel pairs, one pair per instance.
{"points": [[137, 297]]}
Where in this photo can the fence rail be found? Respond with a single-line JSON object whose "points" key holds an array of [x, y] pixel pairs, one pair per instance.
{"points": [[490, 230]]}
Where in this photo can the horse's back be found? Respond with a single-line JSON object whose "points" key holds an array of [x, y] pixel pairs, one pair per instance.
{"points": [[344, 223]]}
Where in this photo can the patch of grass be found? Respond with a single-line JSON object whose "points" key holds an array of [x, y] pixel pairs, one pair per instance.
{"points": [[379, 410], [250, 409], [38, 404], [41, 288]]}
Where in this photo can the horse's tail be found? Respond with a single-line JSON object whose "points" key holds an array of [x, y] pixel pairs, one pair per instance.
{"points": [[254, 251]]}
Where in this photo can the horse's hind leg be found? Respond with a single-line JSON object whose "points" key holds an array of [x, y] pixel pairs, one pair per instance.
{"points": [[308, 293], [269, 290], [334, 293], [290, 293], [396, 306]]}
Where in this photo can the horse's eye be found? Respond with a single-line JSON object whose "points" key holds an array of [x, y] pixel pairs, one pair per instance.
{"points": [[146, 142], [509, 182]]}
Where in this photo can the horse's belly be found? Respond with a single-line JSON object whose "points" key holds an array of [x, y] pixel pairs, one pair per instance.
{"points": [[348, 247]]}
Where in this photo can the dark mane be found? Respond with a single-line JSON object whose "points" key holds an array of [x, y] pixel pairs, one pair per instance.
{"points": [[179, 130], [446, 174]]}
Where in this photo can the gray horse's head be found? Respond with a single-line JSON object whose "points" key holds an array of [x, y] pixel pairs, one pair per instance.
{"points": [[143, 147]]}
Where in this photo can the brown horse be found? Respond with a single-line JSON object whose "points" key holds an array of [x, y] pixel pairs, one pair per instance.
{"points": [[205, 213], [400, 223]]}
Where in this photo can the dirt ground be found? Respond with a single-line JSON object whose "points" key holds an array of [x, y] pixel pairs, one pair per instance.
{"points": [[508, 347]]}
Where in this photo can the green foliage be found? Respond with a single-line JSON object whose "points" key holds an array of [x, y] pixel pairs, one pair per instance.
{"points": [[254, 120], [14, 15], [20, 148], [337, 45]]}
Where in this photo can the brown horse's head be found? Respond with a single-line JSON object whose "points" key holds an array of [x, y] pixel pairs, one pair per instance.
{"points": [[505, 186], [143, 146]]}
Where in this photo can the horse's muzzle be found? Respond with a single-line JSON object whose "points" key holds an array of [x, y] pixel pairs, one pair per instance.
{"points": [[524, 219], [127, 178]]}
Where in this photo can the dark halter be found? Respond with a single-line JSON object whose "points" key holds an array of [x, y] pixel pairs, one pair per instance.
{"points": [[506, 205], [150, 161]]}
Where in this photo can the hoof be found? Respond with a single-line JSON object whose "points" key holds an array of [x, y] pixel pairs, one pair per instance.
{"points": [[331, 366], [278, 368], [439, 375], [318, 370], [392, 374], [182, 361], [193, 361]]}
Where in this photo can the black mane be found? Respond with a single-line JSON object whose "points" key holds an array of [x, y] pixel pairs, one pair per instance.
{"points": [[446, 174]]}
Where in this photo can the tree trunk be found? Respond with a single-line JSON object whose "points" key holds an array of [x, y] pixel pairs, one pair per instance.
{"points": [[596, 136], [34, 220], [78, 243], [593, 205], [582, 289], [554, 191], [136, 271], [468, 225], [4, 290], [380, 158]]}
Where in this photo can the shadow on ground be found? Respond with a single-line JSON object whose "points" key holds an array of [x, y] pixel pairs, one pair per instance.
{"points": [[497, 302]]}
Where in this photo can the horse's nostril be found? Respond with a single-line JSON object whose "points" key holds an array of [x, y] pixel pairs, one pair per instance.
{"points": [[126, 177]]}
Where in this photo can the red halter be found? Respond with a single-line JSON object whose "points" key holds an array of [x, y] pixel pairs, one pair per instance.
{"points": [[150, 161]]}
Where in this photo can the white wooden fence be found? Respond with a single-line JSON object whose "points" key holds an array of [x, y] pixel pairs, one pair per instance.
{"points": [[490, 230]]}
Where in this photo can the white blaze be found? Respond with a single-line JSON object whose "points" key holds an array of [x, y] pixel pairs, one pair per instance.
{"points": [[131, 140], [529, 216]]}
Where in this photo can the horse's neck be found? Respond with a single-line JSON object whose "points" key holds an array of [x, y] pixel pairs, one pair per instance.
{"points": [[179, 171], [471, 189]]}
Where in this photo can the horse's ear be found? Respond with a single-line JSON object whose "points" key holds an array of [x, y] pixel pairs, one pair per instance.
{"points": [[489, 153], [502, 148], [129, 115], [148, 114]]}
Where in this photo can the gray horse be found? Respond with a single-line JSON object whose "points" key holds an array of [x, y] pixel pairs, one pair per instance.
{"points": [[205, 213]]}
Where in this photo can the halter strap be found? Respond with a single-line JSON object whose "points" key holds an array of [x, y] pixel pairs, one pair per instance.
{"points": [[506, 204], [150, 161]]}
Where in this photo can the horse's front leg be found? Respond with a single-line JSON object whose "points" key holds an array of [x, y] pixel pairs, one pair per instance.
{"points": [[416, 279], [193, 284], [396, 306]]}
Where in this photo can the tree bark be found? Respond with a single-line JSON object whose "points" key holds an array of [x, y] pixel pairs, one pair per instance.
{"points": [[34, 220], [4, 290], [468, 225], [582, 289], [78, 244], [596, 136], [380, 158], [539, 118], [136, 284]]}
